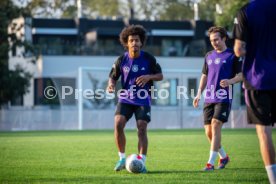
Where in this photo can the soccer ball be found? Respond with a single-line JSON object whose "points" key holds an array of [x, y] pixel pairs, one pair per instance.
{"points": [[134, 163]]}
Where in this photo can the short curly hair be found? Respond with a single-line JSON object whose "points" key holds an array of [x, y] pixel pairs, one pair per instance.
{"points": [[217, 29], [133, 30]]}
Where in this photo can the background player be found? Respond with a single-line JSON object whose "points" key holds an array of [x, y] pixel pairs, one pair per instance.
{"points": [[221, 69]]}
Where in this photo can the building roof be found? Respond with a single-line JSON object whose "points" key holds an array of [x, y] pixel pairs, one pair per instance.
{"points": [[109, 27]]}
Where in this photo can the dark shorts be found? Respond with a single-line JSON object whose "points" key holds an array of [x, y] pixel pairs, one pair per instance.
{"points": [[127, 110], [219, 111], [261, 107]]}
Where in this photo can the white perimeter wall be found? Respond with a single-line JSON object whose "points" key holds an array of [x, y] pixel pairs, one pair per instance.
{"points": [[31, 117]]}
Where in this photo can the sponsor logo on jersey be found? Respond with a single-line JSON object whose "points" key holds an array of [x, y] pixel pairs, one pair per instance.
{"points": [[143, 68], [126, 69], [135, 68], [217, 61], [209, 61]]}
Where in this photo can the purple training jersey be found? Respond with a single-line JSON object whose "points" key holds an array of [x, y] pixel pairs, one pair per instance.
{"points": [[255, 24], [219, 66], [130, 69]]}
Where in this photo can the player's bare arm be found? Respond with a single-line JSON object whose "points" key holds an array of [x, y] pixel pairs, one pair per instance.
{"points": [[227, 82], [202, 85], [111, 85]]}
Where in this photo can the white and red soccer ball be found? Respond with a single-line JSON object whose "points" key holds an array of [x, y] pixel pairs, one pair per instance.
{"points": [[134, 163]]}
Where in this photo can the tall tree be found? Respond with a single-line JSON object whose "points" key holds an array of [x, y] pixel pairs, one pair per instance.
{"points": [[96, 8], [137, 9], [148, 9], [229, 10], [207, 9], [13, 83], [177, 10], [133, 9]]}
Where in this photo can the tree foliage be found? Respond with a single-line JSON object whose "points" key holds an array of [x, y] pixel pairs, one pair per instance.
{"points": [[68, 8], [13, 83], [229, 10], [177, 10], [139, 9], [96, 8], [224, 18]]}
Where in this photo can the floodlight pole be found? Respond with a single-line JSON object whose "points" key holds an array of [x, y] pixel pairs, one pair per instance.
{"points": [[196, 17], [79, 6]]}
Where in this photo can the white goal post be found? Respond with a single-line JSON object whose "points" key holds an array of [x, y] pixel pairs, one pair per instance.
{"points": [[80, 90]]}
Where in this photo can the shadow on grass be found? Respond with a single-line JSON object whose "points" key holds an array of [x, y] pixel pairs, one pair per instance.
{"points": [[156, 176], [201, 171], [243, 169], [173, 172]]}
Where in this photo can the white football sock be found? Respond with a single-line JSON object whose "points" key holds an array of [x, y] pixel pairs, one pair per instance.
{"points": [[143, 157], [212, 158], [222, 153], [121, 155], [271, 173]]}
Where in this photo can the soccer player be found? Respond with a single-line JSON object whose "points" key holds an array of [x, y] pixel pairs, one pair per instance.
{"points": [[138, 70], [255, 38], [221, 69]]}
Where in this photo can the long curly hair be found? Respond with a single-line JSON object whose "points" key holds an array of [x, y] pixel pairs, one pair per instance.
{"points": [[133, 30]]}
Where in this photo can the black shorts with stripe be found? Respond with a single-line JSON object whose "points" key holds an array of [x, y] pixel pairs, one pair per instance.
{"points": [[219, 111], [127, 110]]}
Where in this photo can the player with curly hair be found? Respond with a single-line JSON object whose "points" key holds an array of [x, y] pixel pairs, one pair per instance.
{"points": [[137, 69]]}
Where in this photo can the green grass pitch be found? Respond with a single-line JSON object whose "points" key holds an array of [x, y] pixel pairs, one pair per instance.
{"points": [[174, 156]]}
